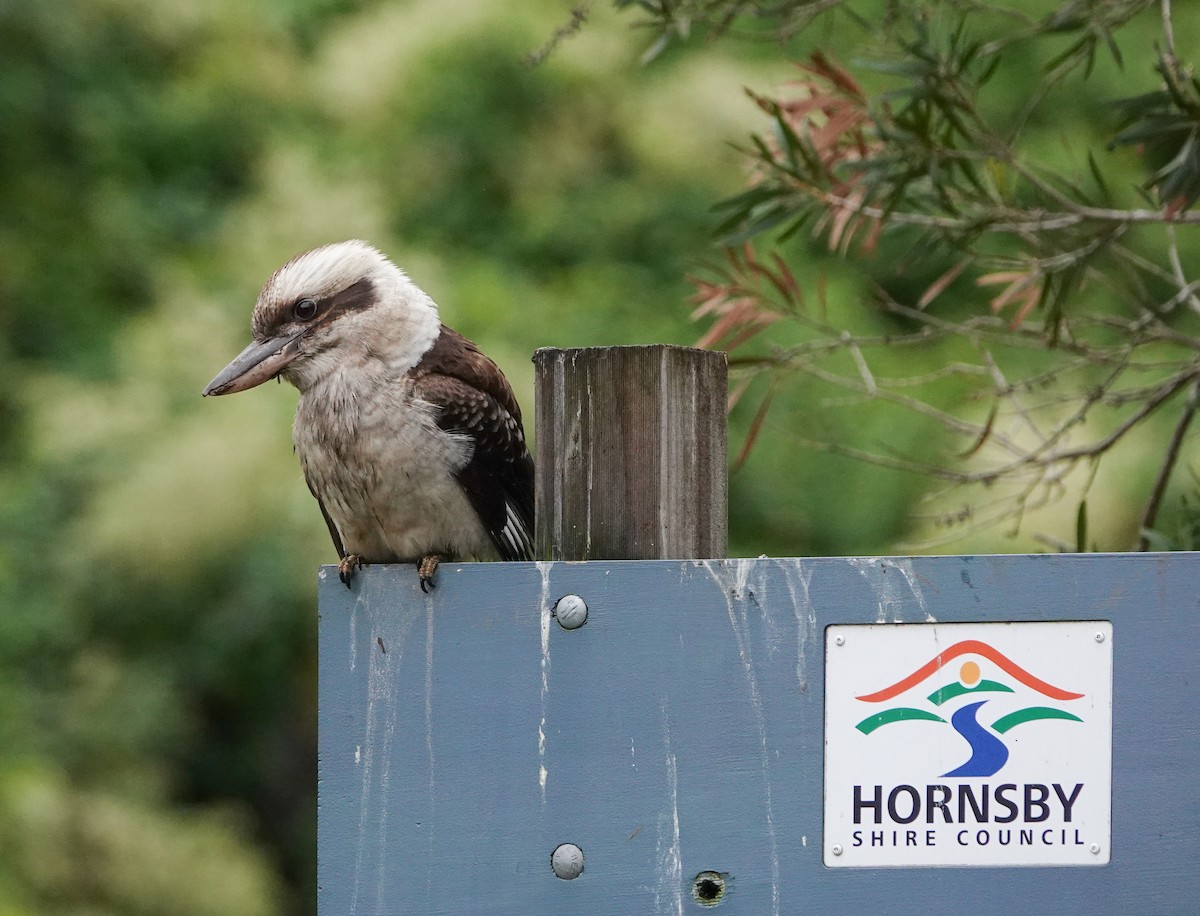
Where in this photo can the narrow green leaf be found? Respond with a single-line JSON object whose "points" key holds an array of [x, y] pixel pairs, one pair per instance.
{"points": [[988, 71], [1112, 48], [1105, 194]]}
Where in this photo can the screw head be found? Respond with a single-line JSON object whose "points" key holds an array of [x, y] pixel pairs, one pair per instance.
{"points": [[839, 640], [1095, 848], [571, 612], [837, 849], [1099, 637], [567, 861]]}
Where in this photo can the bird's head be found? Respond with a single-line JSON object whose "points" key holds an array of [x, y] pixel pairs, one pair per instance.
{"points": [[330, 308]]}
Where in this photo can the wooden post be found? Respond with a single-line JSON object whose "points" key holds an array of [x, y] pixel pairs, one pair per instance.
{"points": [[631, 453]]}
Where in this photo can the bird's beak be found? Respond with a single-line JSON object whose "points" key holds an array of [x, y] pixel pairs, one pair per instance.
{"points": [[259, 362]]}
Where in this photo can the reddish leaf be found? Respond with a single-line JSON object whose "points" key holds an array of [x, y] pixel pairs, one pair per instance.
{"points": [[938, 286]]}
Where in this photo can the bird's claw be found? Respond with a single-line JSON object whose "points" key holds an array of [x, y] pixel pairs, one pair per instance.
{"points": [[347, 566], [425, 570]]}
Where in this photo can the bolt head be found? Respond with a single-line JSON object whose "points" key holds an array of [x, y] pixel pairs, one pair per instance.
{"points": [[567, 861], [839, 640], [571, 612], [837, 849]]}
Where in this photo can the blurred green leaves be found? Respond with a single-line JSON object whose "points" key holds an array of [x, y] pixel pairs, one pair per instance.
{"points": [[962, 161], [1165, 124], [130, 130], [67, 850]]}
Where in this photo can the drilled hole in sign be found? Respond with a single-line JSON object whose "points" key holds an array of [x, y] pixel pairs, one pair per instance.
{"points": [[708, 888]]}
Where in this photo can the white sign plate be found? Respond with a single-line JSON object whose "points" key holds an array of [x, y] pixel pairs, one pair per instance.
{"points": [[968, 744]]}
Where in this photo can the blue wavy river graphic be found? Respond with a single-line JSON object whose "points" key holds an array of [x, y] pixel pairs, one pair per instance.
{"points": [[988, 753]]}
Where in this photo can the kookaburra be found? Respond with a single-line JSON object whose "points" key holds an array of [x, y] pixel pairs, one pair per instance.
{"points": [[409, 437]]}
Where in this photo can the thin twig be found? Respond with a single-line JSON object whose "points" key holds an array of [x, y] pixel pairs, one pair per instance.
{"points": [[1186, 289], [1098, 447], [1168, 465], [1168, 29], [1004, 219], [579, 15]]}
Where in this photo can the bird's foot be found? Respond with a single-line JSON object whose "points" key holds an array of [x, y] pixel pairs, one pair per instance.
{"points": [[425, 570], [347, 566]]}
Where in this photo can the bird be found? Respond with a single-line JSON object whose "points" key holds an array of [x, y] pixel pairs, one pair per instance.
{"points": [[409, 437]]}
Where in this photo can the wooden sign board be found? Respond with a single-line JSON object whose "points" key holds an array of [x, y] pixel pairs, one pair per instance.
{"points": [[691, 740]]}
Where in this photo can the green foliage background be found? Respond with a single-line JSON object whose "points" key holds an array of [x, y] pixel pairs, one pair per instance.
{"points": [[157, 551]]}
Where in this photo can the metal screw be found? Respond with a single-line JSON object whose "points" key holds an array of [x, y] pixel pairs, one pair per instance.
{"points": [[567, 861], [1095, 848], [839, 640], [1099, 637], [571, 612], [837, 849]]}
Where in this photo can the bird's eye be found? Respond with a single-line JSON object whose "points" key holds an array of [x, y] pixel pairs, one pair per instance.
{"points": [[305, 310]]}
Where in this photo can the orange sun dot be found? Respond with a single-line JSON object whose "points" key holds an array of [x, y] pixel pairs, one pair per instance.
{"points": [[969, 674]]}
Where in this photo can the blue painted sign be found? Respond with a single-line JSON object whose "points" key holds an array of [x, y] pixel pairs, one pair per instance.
{"points": [[668, 753]]}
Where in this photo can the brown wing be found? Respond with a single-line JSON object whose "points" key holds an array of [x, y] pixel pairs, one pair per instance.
{"points": [[333, 532], [473, 398]]}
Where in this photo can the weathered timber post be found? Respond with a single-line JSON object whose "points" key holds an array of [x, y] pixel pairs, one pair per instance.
{"points": [[631, 453]]}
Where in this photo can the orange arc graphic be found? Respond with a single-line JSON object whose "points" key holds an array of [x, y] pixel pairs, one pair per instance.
{"points": [[962, 648]]}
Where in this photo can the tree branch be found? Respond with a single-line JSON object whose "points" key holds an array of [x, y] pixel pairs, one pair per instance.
{"points": [[1174, 447]]}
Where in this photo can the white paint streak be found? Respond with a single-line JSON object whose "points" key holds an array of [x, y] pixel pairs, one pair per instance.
{"points": [[884, 599], [668, 895], [881, 575], [544, 568], [905, 567], [797, 579], [734, 591]]}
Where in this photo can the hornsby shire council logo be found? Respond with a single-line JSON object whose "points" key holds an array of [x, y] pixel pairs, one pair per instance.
{"points": [[988, 750], [968, 744]]}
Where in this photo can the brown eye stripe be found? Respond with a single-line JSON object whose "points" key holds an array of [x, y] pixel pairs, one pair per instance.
{"points": [[356, 296]]}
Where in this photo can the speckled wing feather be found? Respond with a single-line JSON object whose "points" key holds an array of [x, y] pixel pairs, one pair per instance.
{"points": [[333, 532], [473, 398]]}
